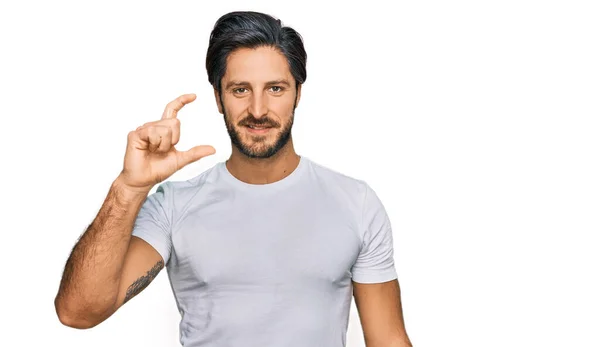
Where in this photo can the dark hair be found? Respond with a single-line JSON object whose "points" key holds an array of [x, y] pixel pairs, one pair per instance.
{"points": [[248, 29]]}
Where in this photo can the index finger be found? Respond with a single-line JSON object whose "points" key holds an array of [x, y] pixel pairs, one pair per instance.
{"points": [[174, 106]]}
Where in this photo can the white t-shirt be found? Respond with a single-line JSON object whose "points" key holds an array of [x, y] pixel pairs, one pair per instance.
{"points": [[268, 264]]}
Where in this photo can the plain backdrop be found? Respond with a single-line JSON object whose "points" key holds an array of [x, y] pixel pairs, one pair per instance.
{"points": [[476, 122]]}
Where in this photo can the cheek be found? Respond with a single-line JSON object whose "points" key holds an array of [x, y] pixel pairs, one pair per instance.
{"points": [[234, 108], [283, 106]]}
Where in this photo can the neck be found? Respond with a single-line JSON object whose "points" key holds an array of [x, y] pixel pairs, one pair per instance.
{"points": [[263, 170]]}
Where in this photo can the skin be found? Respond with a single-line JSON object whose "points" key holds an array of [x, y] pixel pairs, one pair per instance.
{"points": [[108, 267], [380, 312]]}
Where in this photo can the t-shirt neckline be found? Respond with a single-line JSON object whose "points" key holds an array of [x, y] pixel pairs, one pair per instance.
{"points": [[282, 183]]}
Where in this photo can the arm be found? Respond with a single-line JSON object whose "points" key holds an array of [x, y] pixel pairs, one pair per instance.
{"points": [[107, 267], [375, 281], [99, 275], [380, 311]]}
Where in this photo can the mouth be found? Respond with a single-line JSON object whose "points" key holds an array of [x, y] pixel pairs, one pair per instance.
{"points": [[257, 129]]}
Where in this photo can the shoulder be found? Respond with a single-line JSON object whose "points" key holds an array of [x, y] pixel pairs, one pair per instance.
{"points": [[336, 180], [180, 193], [353, 194], [350, 191]]}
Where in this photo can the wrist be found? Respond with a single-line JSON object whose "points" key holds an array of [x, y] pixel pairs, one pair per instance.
{"points": [[130, 192]]}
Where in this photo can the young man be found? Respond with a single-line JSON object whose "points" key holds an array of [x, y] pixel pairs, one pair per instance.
{"points": [[264, 249]]}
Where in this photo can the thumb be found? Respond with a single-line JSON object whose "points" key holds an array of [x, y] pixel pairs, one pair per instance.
{"points": [[193, 154]]}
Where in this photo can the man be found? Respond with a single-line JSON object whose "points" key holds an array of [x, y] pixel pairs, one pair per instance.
{"points": [[264, 249]]}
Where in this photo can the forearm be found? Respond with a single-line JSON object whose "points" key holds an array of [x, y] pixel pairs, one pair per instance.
{"points": [[90, 282]]}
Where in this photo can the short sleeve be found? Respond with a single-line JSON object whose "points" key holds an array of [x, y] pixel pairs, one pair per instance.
{"points": [[153, 222], [375, 262]]}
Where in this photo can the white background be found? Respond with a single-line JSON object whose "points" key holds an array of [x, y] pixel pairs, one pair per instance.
{"points": [[476, 122]]}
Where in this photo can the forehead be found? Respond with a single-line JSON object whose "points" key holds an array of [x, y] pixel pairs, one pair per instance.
{"points": [[257, 65]]}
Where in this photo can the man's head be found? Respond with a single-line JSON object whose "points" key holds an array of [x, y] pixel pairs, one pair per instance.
{"points": [[256, 68]]}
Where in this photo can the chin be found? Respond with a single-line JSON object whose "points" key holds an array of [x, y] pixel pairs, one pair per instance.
{"points": [[262, 149], [259, 150], [262, 154]]}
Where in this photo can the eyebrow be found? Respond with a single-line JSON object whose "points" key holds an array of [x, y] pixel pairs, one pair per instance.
{"points": [[246, 84]]}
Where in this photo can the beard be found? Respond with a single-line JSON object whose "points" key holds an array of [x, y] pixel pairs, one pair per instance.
{"points": [[259, 147]]}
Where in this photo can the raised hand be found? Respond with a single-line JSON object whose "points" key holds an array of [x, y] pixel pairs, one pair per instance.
{"points": [[151, 156]]}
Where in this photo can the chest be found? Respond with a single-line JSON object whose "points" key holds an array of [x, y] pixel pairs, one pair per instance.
{"points": [[269, 242]]}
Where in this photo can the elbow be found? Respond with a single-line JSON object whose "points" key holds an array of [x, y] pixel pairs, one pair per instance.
{"points": [[76, 323], [76, 319]]}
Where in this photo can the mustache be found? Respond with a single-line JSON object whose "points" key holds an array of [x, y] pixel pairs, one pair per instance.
{"points": [[258, 122]]}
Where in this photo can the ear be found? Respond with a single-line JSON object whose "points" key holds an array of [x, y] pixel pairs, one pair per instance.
{"points": [[298, 93], [218, 100]]}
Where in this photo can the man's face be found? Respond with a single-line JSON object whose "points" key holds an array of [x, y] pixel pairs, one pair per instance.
{"points": [[258, 95]]}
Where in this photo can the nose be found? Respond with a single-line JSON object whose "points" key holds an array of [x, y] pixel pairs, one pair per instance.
{"points": [[258, 105]]}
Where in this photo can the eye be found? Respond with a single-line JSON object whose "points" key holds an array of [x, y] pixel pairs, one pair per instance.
{"points": [[239, 90], [276, 89]]}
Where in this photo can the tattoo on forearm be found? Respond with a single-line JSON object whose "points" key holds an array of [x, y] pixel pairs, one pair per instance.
{"points": [[143, 281]]}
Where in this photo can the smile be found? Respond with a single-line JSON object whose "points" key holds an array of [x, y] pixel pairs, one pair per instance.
{"points": [[258, 130]]}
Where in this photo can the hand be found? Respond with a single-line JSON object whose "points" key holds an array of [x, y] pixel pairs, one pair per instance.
{"points": [[151, 156]]}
